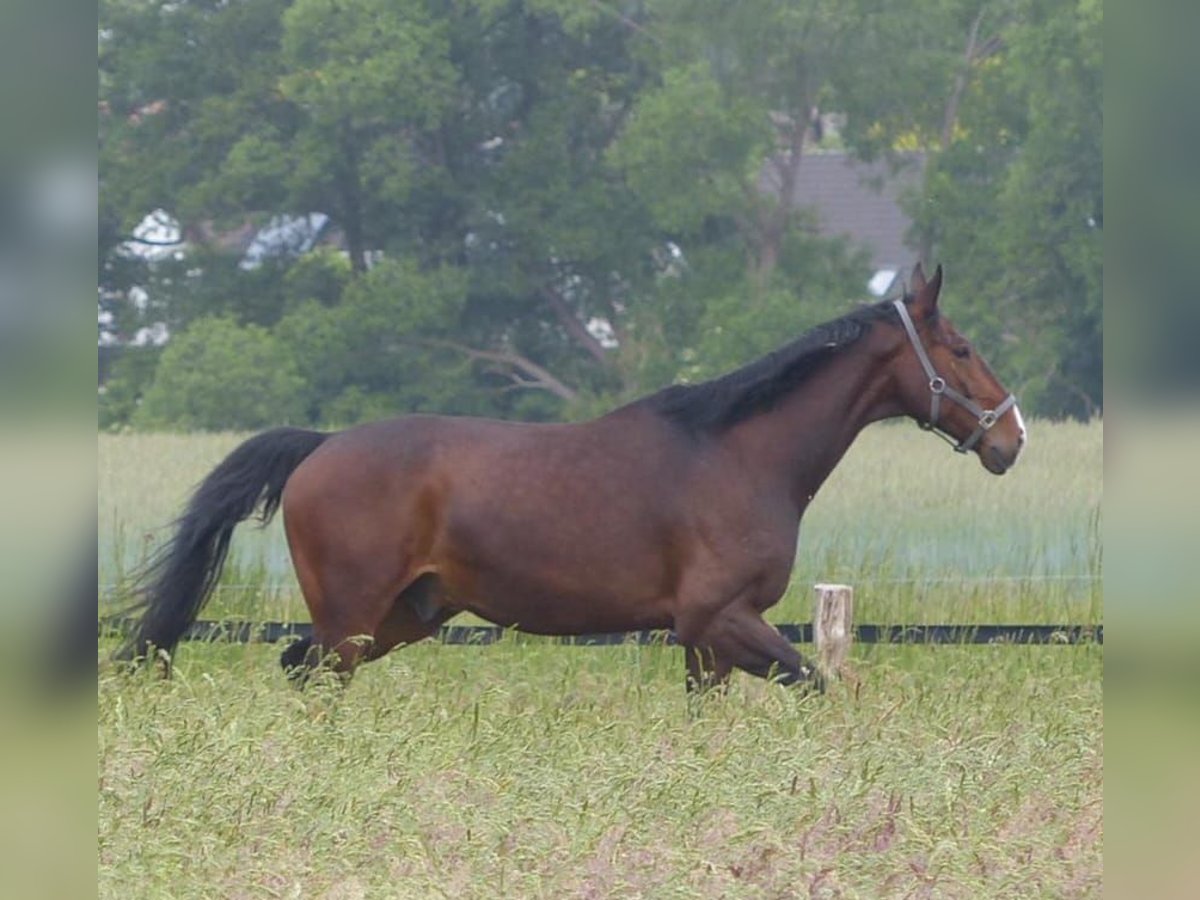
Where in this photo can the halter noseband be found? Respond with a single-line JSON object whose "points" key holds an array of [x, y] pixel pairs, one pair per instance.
{"points": [[985, 418]]}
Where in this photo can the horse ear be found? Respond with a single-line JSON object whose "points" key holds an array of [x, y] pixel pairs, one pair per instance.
{"points": [[934, 287], [918, 279], [926, 296]]}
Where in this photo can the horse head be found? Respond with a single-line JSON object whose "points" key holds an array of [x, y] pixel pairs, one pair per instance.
{"points": [[948, 387]]}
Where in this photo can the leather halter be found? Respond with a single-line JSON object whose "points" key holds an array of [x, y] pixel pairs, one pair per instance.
{"points": [[985, 418]]}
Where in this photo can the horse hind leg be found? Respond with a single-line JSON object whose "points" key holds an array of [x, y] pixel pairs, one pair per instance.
{"points": [[349, 579], [295, 661], [303, 659], [343, 630], [417, 613]]}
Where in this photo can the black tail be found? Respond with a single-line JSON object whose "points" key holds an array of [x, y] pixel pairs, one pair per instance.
{"points": [[177, 581]]}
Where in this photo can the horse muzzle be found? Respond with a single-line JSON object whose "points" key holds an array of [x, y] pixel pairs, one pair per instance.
{"points": [[998, 455]]}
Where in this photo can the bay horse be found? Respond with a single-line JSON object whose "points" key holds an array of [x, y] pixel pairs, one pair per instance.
{"points": [[680, 510]]}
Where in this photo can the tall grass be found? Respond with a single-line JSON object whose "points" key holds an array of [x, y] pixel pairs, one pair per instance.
{"points": [[924, 535], [540, 771]]}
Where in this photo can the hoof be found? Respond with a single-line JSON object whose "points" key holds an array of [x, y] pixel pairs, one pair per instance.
{"points": [[811, 679]]}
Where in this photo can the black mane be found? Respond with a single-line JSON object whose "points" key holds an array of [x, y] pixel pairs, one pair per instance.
{"points": [[721, 403]]}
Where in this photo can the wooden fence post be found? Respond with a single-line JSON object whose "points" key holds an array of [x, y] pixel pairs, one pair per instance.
{"points": [[833, 622]]}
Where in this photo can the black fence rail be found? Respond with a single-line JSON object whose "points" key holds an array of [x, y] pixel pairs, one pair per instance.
{"points": [[245, 632]]}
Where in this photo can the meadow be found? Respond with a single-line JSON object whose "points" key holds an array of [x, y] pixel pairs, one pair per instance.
{"points": [[527, 769]]}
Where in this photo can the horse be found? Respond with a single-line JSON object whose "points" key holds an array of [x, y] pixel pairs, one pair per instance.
{"points": [[678, 511]]}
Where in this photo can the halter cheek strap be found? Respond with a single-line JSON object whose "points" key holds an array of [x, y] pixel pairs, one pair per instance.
{"points": [[985, 418]]}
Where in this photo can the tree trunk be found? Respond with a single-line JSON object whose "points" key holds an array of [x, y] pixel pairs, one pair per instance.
{"points": [[350, 191], [973, 53], [774, 218], [575, 328]]}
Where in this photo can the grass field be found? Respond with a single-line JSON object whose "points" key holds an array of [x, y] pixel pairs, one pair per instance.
{"points": [[537, 771], [526, 769]]}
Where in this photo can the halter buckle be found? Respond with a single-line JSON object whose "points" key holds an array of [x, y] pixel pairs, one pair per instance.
{"points": [[988, 419]]}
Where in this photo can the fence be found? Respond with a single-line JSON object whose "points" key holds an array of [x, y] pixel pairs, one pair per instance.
{"points": [[832, 630], [243, 632]]}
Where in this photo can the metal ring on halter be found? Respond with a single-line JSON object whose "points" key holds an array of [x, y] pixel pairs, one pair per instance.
{"points": [[988, 419], [937, 384]]}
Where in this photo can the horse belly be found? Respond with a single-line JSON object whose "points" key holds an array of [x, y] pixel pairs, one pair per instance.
{"points": [[559, 581], [555, 614]]}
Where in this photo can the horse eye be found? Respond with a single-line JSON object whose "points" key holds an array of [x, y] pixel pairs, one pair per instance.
{"points": [[961, 352]]}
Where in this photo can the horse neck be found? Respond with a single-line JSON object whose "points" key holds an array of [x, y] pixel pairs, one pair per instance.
{"points": [[799, 441]]}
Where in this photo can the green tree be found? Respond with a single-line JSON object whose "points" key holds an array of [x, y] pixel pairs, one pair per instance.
{"points": [[216, 112], [219, 375], [132, 372], [511, 180], [468, 137], [714, 149], [1013, 201]]}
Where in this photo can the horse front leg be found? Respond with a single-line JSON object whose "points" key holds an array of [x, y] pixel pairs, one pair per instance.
{"points": [[740, 638]]}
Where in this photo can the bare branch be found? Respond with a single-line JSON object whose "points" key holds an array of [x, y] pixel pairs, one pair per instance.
{"points": [[521, 369], [150, 242], [989, 48], [973, 53], [950, 116], [576, 329], [625, 20]]}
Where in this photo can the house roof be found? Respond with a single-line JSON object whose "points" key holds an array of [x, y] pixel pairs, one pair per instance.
{"points": [[858, 200]]}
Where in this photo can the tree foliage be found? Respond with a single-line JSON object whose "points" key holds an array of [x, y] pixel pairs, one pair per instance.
{"points": [[545, 207], [1014, 197], [219, 374]]}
